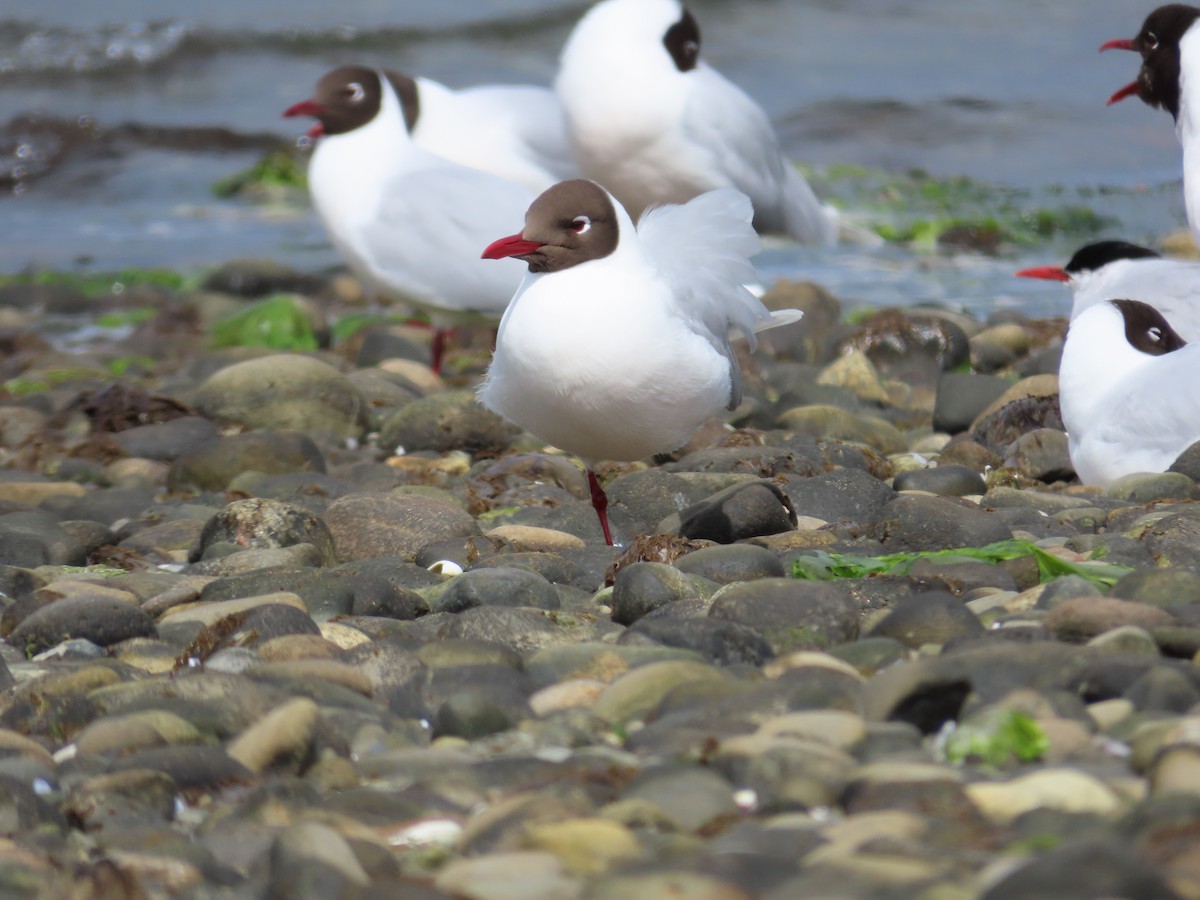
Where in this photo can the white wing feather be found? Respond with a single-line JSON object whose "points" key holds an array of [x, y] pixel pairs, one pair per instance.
{"points": [[744, 147], [703, 249], [1148, 421], [431, 248]]}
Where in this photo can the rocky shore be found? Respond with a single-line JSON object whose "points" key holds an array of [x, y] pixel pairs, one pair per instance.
{"points": [[314, 624]]}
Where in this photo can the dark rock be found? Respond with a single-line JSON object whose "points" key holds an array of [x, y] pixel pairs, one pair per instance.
{"points": [[1188, 462], [738, 512], [380, 342], [452, 420], [1082, 618], [212, 465], [650, 496], [190, 767], [843, 495], [931, 618], [999, 429], [870, 654], [105, 505], [99, 619], [952, 481], [121, 800], [1163, 689], [33, 538], [722, 643], [165, 441], [1171, 541], [1042, 454], [323, 593], [911, 348], [791, 615], [1163, 588], [731, 563], [918, 522], [644, 587], [475, 701], [260, 278], [961, 397], [260, 524], [1092, 868], [495, 587], [366, 525], [962, 451]]}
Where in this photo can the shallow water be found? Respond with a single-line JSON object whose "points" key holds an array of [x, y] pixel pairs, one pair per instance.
{"points": [[1009, 93]]}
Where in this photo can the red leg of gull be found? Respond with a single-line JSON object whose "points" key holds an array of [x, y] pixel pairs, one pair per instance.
{"points": [[438, 349], [600, 504]]}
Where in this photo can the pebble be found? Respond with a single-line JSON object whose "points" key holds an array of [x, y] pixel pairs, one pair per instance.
{"points": [[228, 667]]}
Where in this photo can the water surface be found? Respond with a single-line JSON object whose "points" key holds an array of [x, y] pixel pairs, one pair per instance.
{"points": [[116, 119]]}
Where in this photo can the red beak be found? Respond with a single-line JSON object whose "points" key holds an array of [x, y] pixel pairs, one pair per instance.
{"points": [[308, 108], [1118, 44], [513, 245], [1048, 273], [1128, 91]]}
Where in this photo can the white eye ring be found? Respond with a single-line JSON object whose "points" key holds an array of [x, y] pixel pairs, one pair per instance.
{"points": [[1155, 334], [1152, 40], [581, 224], [356, 92]]}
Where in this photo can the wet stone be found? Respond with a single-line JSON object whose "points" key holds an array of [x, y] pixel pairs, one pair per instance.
{"points": [[791, 615], [284, 392], [495, 587], [930, 618], [954, 481], [739, 512], [1042, 454], [448, 421], [165, 441], [932, 523], [643, 587], [843, 495], [99, 619], [121, 800], [720, 642], [962, 396], [260, 524], [214, 464], [367, 525], [732, 563]]}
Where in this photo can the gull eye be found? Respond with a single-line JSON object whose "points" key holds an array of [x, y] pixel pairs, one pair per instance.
{"points": [[1151, 40], [1155, 334], [356, 92], [581, 224]]}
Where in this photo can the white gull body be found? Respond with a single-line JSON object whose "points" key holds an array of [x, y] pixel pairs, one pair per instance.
{"points": [[624, 356], [411, 223], [651, 133], [1125, 410], [518, 132], [616, 345]]}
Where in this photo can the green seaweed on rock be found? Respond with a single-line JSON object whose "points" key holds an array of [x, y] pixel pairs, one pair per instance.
{"points": [[825, 566], [999, 739], [929, 212], [278, 323], [278, 174]]}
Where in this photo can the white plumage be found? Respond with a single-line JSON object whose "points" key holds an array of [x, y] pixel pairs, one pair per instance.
{"points": [[515, 131], [619, 347], [651, 133], [1125, 410]]}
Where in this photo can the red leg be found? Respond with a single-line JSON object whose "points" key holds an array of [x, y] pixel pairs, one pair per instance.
{"points": [[600, 504], [438, 349]]}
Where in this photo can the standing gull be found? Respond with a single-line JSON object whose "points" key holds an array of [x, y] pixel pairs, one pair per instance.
{"points": [[617, 343]]}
